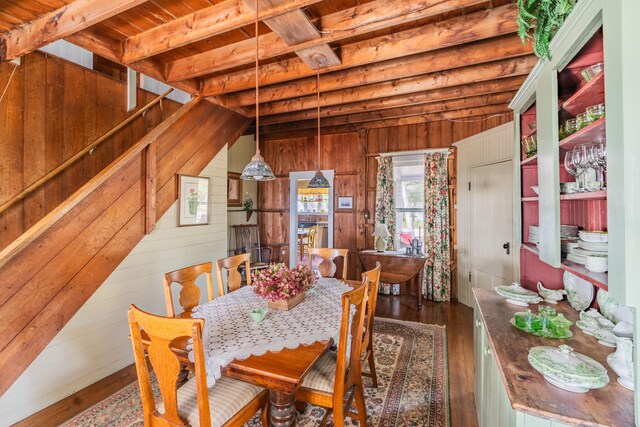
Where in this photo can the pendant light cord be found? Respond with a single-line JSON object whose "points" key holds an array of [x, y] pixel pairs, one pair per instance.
{"points": [[318, 91], [257, 91]]}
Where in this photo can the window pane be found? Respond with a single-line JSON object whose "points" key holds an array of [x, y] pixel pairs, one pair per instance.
{"points": [[409, 225]]}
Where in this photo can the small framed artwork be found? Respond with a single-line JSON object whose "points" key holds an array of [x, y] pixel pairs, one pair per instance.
{"points": [[345, 202], [234, 189], [193, 200]]}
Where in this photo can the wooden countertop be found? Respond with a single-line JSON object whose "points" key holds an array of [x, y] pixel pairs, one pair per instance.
{"points": [[528, 391]]}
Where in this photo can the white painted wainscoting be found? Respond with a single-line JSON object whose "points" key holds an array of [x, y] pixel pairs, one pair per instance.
{"points": [[95, 342], [492, 146]]}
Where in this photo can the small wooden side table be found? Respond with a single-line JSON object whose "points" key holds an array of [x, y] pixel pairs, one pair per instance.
{"points": [[397, 267]]}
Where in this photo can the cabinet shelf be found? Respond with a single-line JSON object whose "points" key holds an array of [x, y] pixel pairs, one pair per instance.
{"points": [[590, 94], [530, 199], [533, 160], [596, 195], [531, 247], [585, 135], [600, 280]]}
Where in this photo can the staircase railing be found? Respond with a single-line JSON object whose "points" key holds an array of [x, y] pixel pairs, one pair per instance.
{"points": [[89, 148]]}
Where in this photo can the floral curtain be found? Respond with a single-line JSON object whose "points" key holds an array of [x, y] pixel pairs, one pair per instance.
{"points": [[437, 274], [385, 198]]}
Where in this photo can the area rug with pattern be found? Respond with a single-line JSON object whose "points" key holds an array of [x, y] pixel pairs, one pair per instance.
{"points": [[413, 385]]}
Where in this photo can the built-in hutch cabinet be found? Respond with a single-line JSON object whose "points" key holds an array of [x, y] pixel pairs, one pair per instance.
{"points": [[597, 31]]}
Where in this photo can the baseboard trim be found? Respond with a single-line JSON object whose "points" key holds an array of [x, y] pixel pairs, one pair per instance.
{"points": [[81, 400]]}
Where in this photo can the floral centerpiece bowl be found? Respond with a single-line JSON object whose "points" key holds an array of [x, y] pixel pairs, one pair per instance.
{"points": [[283, 287]]}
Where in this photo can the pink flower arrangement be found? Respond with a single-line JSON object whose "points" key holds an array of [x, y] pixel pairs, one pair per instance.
{"points": [[278, 282]]}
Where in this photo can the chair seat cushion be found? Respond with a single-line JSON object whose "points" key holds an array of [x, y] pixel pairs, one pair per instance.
{"points": [[226, 398], [323, 374]]}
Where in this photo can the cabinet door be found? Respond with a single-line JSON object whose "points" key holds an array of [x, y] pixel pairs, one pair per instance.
{"points": [[548, 168], [478, 343]]}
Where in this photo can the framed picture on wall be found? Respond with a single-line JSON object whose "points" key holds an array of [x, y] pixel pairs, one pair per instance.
{"points": [[193, 200], [345, 202], [234, 189]]}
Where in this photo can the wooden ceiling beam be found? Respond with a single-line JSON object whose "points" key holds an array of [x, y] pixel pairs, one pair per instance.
{"points": [[341, 25], [295, 28], [415, 65], [437, 95], [407, 111], [470, 28], [111, 49], [456, 77], [208, 22], [480, 113], [57, 24]]}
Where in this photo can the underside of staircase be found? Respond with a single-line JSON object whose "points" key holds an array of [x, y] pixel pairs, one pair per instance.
{"points": [[52, 270]]}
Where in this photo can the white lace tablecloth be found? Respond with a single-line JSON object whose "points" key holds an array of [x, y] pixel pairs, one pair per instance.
{"points": [[230, 333]]}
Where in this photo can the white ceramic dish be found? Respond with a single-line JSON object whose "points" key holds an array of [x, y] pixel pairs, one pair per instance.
{"points": [[551, 296], [580, 293], [596, 265], [607, 304], [623, 330], [623, 314], [605, 337], [566, 369], [593, 236], [517, 295]]}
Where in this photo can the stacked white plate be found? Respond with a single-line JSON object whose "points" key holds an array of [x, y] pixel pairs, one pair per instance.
{"points": [[568, 231], [534, 234], [567, 245], [592, 251]]}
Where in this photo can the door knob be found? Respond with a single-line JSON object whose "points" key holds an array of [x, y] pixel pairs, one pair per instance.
{"points": [[507, 247]]}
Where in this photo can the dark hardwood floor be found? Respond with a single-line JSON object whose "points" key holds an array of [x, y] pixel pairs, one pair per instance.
{"points": [[458, 319]]}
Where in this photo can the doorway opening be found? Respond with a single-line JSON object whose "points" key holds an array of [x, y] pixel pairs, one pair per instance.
{"points": [[310, 215]]}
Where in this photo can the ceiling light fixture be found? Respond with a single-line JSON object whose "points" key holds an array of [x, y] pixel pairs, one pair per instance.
{"points": [[257, 169], [319, 180]]}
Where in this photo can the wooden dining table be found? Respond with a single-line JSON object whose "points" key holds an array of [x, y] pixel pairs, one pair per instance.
{"points": [[281, 372]]}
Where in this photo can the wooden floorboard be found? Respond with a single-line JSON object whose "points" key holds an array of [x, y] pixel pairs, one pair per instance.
{"points": [[458, 319], [455, 316]]}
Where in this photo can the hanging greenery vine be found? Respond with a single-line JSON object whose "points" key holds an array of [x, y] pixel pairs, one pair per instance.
{"points": [[548, 16]]}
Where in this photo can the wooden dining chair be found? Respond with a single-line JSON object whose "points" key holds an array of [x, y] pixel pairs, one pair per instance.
{"points": [[327, 267], [335, 381], [189, 291], [234, 278], [228, 403], [367, 343]]}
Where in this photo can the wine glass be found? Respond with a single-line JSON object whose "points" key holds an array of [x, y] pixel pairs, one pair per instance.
{"points": [[570, 166], [600, 151], [581, 159]]}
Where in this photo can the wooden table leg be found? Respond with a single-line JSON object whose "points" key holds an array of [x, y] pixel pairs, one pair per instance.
{"points": [[283, 409], [420, 276]]}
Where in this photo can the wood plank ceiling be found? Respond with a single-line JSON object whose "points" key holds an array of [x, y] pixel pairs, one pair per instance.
{"points": [[387, 62]]}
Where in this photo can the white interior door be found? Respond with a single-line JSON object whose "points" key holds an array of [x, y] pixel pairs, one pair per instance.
{"points": [[491, 225]]}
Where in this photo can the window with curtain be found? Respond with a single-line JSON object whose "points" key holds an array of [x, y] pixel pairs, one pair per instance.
{"points": [[408, 173]]}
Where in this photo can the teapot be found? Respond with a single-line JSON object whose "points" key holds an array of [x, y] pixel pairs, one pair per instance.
{"points": [[551, 296]]}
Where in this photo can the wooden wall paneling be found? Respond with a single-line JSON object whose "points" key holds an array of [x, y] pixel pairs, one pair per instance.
{"points": [[12, 158], [53, 131], [34, 153], [106, 117], [73, 127], [91, 133]]}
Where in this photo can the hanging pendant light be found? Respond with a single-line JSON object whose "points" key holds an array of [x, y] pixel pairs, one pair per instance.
{"points": [[257, 169], [319, 180]]}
